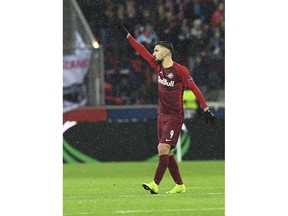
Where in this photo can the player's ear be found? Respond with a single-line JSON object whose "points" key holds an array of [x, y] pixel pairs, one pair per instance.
{"points": [[165, 52]]}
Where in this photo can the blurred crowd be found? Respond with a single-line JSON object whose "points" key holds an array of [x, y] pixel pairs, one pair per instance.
{"points": [[196, 28]]}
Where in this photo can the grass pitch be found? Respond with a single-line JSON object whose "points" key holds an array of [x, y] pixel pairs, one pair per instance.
{"points": [[115, 188]]}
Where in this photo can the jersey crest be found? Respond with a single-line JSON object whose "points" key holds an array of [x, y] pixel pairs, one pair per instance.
{"points": [[170, 75]]}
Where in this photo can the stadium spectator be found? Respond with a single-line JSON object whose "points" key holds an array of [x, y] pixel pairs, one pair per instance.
{"points": [[213, 83], [200, 74], [216, 45], [183, 39], [148, 38], [170, 28], [160, 21], [133, 15], [196, 30], [197, 42], [123, 90], [218, 15], [121, 14], [151, 90], [148, 16]]}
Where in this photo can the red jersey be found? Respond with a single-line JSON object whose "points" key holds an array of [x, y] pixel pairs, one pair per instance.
{"points": [[171, 83]]}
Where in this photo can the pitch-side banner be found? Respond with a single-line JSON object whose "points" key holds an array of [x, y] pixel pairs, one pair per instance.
{"points": [[75, 68]]}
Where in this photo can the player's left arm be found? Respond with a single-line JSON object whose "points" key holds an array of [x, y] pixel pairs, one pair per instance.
{"points": [[188, 81]]}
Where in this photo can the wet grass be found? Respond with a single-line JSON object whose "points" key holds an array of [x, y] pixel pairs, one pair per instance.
{"points": [[115, 189]]}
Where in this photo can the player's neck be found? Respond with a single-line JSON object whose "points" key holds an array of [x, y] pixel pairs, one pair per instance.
{"points": [[167, 62]]}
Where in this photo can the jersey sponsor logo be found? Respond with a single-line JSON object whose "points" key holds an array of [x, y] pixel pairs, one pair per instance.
{"points": [[170, 75], [165, 82]]}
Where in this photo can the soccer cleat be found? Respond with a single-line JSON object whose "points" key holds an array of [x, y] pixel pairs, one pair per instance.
{"points": [[177, 189], [152, 187]]}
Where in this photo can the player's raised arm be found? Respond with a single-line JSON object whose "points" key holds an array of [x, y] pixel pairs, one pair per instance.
{"points": [[137, 46]]}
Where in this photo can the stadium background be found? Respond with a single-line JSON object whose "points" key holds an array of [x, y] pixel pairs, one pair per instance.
{"points": [[110, 93]]}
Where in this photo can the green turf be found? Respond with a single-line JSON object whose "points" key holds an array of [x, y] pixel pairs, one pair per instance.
{"points": [[115, 189]]}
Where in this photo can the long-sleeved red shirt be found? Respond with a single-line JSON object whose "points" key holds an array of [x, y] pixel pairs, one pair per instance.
{"points": [[171, 83]]}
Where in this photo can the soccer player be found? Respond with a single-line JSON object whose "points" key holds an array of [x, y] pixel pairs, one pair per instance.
{"points": [[172, 79]]}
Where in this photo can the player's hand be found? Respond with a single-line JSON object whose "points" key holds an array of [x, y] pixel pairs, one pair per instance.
{"points": [[209, 116], [120, 27]]}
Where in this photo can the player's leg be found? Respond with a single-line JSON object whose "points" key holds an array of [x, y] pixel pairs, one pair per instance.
{"points": [[167, 140], [175, 126], [175, 173], [169, 129], [174, 169], [163, 150]]}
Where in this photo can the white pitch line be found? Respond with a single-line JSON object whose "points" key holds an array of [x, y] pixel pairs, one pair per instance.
{"points": [[83, 213], [131, 195], [133, 188], [210, 187], [166, 210], [167, 194]]}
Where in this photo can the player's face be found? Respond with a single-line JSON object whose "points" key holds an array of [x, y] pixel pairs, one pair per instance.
{"points": [[158, 54]]}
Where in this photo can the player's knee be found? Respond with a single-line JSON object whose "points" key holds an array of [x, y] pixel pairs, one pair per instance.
{"points": [[163, 149]]}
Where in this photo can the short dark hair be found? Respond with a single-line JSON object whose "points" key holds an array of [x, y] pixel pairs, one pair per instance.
{"points": [[167, 45]]}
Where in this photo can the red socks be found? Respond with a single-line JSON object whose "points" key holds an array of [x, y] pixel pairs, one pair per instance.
{"points": [[174, 170], [170, 162], [162, 166]]}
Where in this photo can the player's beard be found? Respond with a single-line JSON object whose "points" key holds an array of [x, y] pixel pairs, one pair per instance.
{"points": [[159, 61]]}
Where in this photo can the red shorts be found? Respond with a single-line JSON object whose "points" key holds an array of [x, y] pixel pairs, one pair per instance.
{"points": [[169, 128]]}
